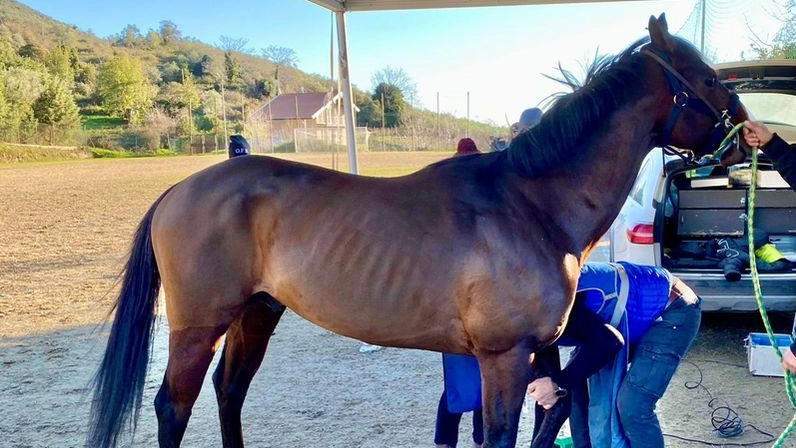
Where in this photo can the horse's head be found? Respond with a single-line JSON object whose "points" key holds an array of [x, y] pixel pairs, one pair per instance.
{"points": [[696, 111]]}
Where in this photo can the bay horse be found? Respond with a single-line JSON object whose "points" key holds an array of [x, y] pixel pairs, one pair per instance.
{"points": [[477, 254]]}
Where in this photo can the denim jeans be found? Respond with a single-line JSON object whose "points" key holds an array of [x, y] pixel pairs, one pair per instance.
{"points": [[652, 367]]}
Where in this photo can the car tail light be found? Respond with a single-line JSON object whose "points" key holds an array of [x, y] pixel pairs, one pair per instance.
{"points": [[640, 234]]}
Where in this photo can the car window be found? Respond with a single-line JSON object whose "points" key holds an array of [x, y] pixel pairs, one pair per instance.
{"points": [[769, 107]]}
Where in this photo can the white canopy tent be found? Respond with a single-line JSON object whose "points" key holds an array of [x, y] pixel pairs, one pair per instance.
{"points": [[340, 7]]}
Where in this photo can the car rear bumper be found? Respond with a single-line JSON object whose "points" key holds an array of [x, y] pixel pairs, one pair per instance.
{"points": [[779, 290]]}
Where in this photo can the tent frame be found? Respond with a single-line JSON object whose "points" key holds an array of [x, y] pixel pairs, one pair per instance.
{"points": [[341, 7]]}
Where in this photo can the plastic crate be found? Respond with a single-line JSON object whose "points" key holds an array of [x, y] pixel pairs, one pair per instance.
{"points": [[763, 360]]}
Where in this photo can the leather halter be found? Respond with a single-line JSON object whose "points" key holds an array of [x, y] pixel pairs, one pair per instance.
{"points": [[685, 95]]}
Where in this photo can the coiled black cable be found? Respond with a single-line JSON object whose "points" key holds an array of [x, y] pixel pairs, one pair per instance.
{"points": [[726, 422]]}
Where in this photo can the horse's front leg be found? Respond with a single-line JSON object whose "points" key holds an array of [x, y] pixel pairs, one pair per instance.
{"points": [[504, 378]]}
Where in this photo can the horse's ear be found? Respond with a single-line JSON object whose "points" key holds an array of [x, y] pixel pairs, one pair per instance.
{"points": [[659, 33]]}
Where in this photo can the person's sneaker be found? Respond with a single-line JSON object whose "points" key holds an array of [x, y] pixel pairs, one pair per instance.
{"points": [[367, 348]]}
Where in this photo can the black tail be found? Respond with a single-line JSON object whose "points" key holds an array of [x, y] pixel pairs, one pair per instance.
{"points": [[119, 382]]}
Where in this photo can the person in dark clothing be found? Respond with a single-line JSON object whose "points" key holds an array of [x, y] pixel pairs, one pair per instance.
{"points": [[449, 411], [778, 150], [783, 155], [238, 146], [466, 146]]}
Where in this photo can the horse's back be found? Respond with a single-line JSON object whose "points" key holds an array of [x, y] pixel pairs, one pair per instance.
{"points": [[389, 260]]}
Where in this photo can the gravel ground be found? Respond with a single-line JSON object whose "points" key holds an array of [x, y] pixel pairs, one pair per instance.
{"points": [[65, 231]]}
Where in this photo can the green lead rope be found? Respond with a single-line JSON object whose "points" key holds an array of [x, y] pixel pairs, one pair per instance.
{"points": [[790, 383]]}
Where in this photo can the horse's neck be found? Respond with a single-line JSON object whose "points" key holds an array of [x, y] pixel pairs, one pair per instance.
{"points": [[587, 196]]}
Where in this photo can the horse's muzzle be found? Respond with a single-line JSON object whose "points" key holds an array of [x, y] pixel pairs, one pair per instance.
{"points": [[735, 152]]}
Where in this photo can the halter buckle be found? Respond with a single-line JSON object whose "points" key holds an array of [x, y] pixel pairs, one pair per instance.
{"points": [[680, 98]]}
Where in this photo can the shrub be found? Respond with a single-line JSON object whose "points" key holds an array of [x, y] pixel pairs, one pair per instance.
{"points": [[285, 147]]}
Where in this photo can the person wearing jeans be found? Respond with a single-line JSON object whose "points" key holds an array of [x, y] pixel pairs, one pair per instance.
{"points": [[614, 406]]}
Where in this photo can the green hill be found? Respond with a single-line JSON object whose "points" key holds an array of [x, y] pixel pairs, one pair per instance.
{"points": [[145, 90]]}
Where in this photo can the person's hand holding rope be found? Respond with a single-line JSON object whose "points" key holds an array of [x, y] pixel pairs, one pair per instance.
{"points": [[756, 134]]}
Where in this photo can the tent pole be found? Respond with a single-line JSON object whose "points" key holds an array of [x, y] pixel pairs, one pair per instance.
{"points": [[348, 104]]}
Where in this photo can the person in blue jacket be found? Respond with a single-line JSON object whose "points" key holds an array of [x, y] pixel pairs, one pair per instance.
{"points": [[658, 317]]}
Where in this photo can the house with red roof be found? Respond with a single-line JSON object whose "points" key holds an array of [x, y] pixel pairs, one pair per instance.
{"points": [[308, 113]]}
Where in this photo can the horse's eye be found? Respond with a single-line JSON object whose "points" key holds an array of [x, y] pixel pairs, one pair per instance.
{"points": [[711, 82]]}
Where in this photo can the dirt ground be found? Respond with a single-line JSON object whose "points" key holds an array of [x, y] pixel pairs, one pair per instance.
{"points": [[64, 232]]}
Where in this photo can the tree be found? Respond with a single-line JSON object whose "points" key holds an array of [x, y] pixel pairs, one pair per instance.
{"points": [[123, 88], [152, 39], [61, 61], [129, 37], [32, 51], [170, 71], [262, 88], [392, 102], [281, 57], [399, 78], [231, 67], [785, 40], [211, 114], [23, 87], [206, 67], [783, 46], [8, 54], [369, 110], [228, 43], [3, 101], [56, 105], [175, 96], [169, 32]]}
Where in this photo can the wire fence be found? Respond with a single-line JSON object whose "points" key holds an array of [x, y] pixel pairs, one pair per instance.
{"points": [[323, 140]]}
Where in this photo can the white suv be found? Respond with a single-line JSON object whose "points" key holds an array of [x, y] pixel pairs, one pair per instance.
{"points": [[674, 214]]}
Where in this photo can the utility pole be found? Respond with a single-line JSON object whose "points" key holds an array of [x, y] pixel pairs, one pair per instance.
{"points": [[224, 111], [702, 40], [467, 134], [382, 110], [438, 130], [270, 126], [190, 116], [243, 118]]}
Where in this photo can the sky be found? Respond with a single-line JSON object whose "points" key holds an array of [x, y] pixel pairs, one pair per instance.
{"points": [[497, 56]]}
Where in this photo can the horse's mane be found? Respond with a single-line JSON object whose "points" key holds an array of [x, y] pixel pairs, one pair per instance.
{"points": [[610, 82]]}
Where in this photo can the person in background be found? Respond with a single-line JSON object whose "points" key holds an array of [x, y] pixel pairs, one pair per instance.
{"points": [[238, 146], [464, 398], [783, 155], [465, 147], [528, 119]]}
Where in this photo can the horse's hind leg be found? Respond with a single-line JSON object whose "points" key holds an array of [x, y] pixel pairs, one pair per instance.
{"points": [[190, 353], [246, 342], [505, 378]]}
